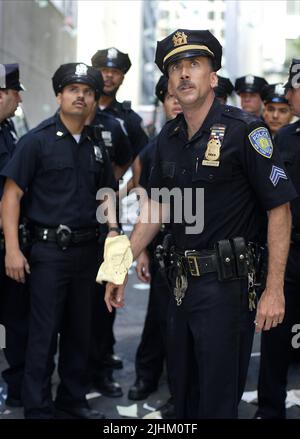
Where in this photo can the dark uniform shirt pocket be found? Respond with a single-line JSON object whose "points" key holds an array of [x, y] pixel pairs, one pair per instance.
{"points": [[168, 169], [55, 164], [213, 174]]}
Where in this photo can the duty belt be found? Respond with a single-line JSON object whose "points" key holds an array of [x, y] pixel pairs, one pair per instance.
{"points": [[64, 236], [197, 264]]}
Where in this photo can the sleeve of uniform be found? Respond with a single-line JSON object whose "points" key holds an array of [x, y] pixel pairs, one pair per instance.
{"points": [[147, 156], [155, 181], [265, 169], [108, 180], [122, 146], [136, 133], [24, 163]]}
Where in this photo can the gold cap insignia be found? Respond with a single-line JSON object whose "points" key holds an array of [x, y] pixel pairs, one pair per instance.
{"points": [[179, 38]]}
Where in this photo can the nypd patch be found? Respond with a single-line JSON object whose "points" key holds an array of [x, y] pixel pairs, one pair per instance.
{"points": [[261, 141]]}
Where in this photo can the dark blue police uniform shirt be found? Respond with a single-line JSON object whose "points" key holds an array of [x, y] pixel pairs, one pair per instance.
{"points": [[235, 192], [133, 124], [288, 141], [114, 137], [8, 140], [60, 175], [147, 156]]}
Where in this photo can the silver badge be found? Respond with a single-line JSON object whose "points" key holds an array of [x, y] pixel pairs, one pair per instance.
{"points": [[81, 70], [98, 154], [249, 79], [112, 53], [279, 90]]}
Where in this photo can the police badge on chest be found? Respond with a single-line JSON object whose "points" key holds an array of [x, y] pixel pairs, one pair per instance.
{"points": [[212, 153], [98, 154]]}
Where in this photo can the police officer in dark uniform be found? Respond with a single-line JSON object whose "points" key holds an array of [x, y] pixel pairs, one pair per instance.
{"points": [[113, 65], [248, 88], [61, 165], [277, 111], [276, 345], [151, 352], [229, 154], [13, 297], [224, 89]]}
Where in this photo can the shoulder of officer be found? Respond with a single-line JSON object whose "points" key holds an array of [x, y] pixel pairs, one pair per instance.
{"points": [[126, 105], [243, 116], [43, 125], [293, 128]]}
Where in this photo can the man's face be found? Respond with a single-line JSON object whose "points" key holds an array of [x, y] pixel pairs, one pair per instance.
{"points": [[77, 100], [191, 80], [293, 96], [277, 115], [113, 78], [9, 101], [171, 106], [251, 102]]}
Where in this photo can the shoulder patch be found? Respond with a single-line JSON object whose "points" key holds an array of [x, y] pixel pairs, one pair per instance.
{"points": [[261, 141]]}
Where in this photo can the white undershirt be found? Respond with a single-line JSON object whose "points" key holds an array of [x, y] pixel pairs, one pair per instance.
{"points": [[76, 137]]}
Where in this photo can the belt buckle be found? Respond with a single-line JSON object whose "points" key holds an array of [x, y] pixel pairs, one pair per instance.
{"points": [[63, 236], [192, 261]]}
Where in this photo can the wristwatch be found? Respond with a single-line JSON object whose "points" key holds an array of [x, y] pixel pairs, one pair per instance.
{"points": [[115, 229]]}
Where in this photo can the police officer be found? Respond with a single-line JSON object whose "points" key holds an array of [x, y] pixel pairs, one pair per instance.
{"points": [[113, 65], [249, 88], [277, 111], [224, 89], [230, 155], [276, 345], [13, 297], [151, 352], [60, 165]]}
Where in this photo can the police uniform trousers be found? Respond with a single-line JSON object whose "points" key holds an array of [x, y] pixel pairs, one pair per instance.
{"points": [[204, 347], [61, 287], [276, 346], [14, 317], [151, 352]]}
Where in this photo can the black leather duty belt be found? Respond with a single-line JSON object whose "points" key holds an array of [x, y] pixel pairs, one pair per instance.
{"points": [[64, 236], [198, 264]]}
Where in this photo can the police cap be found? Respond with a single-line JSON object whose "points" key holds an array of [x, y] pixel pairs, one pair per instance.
{"points": [[9, 77], [224, 87], [185, 43], [273, 93], [161, 88], [73, 73], [113, 58], [294, 75], [249, 84]]}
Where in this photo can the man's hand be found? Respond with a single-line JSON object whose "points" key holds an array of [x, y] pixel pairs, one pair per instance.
{"points": [[142, 267], [114, 295], [270, 311], [16, 265]]}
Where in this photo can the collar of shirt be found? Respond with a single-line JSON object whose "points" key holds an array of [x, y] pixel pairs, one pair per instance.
{"points": [[297, 126], [180, 127], [61, 131]]}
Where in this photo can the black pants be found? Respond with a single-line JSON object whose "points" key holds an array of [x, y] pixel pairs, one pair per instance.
{"points": [[276, 346], [14, 316], [151, 352], [204, 336], [61, 286]]}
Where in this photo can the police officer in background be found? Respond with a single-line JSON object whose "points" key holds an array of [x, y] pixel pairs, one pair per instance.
{"points": [[113, 65], [230, 155], [13, 296], [249, 88], [60, 165], [276, 345], [224, 89], [151, 352], [277, 111]]}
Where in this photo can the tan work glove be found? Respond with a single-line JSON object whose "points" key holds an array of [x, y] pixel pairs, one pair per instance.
{"points": [[117, 260]]}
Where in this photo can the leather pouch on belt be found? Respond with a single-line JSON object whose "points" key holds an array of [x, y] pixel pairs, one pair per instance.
{"points": [[240, 252], [226, 260]]}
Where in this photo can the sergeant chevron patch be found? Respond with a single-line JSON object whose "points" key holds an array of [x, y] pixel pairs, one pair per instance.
{"points": [[277, 174]]}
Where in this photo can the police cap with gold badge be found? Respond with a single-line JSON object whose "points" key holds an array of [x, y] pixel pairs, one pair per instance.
{"points": [[113, 58], [294, 75], [224, 87], [9, 77], [161, 88], [273, 93], [185, 43], [73, 73], [249, 84]]}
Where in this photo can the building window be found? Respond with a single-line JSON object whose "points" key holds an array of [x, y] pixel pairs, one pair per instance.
{"points": [[211, 15]]}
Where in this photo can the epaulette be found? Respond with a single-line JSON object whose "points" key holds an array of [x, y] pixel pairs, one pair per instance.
{"points": [[47, 122], [237, 113], [126, 105]]}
